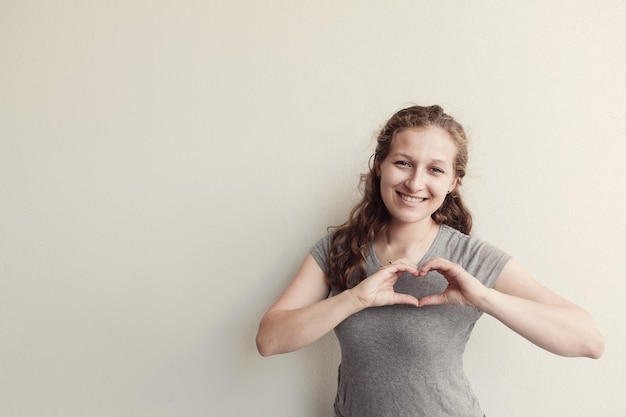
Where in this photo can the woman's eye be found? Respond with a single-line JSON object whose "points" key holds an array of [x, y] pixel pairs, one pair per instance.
{"points": [[403, 163], [437, 170]]}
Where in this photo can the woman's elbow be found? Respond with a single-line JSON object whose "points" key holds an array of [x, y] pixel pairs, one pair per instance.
{"points": [[594, 341], [264, 340], [595, 347], [262, 346], [590, 342]]}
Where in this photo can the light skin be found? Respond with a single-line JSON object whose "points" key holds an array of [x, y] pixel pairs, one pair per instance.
{"points": [[415, 178]]}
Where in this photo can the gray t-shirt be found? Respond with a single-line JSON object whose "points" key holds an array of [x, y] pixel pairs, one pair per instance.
{"points": [[404, 361]]}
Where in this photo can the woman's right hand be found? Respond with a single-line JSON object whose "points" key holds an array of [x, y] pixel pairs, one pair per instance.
{"points": [[377, 289]]}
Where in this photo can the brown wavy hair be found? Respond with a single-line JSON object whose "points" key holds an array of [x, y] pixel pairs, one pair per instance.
{"points": [[350, 242]]}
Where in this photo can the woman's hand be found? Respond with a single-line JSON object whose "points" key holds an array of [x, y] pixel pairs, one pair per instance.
{"points": [[463, 289], [377, 289]]}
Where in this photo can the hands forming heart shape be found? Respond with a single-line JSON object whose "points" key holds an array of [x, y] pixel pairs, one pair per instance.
{"points": [[378, 289]]}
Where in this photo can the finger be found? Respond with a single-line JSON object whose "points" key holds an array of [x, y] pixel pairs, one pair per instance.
{"points": [[434, 299], [400, 298], [437, 264], [403, 266], [404, 261]]}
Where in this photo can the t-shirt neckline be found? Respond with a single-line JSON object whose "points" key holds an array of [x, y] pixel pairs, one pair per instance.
{"points": [[379, 264]]}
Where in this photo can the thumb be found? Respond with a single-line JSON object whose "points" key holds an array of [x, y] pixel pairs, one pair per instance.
{"points": [[434, 299], [400, 298]]}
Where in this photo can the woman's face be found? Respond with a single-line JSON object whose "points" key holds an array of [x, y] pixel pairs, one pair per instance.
{"points": [[417, 173]]}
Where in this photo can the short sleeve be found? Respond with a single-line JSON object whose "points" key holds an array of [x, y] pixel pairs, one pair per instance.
{"points": [[485, 261], [321, 251]]}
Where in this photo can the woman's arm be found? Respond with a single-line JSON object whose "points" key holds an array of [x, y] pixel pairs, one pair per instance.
{"points": [[304, 313], [524, 305]]}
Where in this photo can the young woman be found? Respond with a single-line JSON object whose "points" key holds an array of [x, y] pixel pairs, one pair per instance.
{"points": [[407, 283]]}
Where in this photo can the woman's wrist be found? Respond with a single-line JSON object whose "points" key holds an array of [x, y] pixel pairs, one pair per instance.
{"points": [[486, 300], [353, 301]]}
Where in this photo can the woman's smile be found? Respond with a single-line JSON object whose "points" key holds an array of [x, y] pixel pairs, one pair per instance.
{"points": [[411, 199]]}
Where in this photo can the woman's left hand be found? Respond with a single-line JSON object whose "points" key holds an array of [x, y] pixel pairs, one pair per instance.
{"points": [[463, 289]]}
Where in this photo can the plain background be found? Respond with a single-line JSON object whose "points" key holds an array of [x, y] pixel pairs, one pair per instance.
{"points": [[166, 165]]}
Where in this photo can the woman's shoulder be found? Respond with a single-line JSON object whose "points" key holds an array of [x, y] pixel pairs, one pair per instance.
{"points": [[324, 241], [458, 245], [450, 235], [321, 250], [477, 256]]}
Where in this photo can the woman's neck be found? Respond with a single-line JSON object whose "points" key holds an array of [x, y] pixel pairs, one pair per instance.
{"points": [[410, 241], [405, 236]]}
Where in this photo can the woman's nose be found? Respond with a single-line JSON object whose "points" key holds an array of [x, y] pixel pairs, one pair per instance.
{"points": [[415, 181]]}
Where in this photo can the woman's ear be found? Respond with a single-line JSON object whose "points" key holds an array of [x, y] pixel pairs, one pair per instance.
{"points": [[453, 185], [377, 167]]}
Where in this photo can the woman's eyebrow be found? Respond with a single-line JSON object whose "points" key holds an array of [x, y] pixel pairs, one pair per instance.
{"points": [[409, 157], [401, 155]]}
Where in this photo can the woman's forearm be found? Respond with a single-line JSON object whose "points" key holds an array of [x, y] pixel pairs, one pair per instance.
{"points": [[283, 331], [565, 330]]}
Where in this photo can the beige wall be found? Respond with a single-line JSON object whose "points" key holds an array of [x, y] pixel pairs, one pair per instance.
{"points": [[165, 166]]}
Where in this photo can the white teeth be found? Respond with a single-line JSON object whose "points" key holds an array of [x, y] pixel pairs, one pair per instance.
{"points": [[411, 199]]}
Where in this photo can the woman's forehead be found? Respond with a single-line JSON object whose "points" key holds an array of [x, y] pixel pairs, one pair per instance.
{"points": [[431, 142]]}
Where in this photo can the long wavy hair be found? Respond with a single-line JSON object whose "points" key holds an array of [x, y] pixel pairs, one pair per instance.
{"points": [[350, 242]]}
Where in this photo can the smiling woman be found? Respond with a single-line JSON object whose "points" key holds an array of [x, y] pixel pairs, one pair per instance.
{"points": [[407, 282]]}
